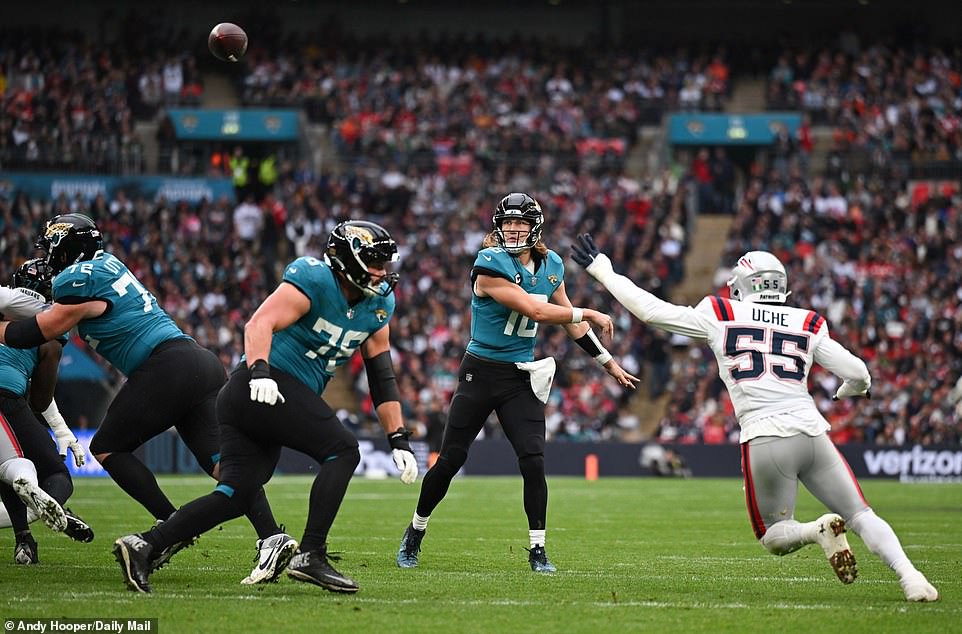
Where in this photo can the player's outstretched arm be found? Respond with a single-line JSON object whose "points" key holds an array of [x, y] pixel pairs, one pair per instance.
{"points": [[508, 294], [682, 320], [34, 331]]}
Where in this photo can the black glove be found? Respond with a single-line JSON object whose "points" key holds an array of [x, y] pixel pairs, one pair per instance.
{"points": [[584, 250], [399, 440]]}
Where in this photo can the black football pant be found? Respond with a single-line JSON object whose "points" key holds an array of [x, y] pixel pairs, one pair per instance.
{"points": [[176, 386], [486, 386], [252, 435]]}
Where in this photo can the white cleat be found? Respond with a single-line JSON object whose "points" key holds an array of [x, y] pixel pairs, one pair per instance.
{"points": [[273, 555], [831, 537], [37, 500], [917, 588]]}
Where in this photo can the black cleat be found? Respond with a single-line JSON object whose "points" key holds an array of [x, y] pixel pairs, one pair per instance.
{"points": [[26, 552], [538, 559], [313, 567], [161, 558], [133, 553], [77, 529], [407, 554]]}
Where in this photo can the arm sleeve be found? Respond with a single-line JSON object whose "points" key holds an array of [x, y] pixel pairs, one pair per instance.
{"points": [[682, 320], [836, 358]]}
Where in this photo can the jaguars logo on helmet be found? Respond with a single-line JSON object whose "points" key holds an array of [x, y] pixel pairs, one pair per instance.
{"points": [[68, 239], [524, 207], [353, 246]]}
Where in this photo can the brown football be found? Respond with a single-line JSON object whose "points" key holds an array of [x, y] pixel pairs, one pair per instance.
{"points": [[227, 42]]}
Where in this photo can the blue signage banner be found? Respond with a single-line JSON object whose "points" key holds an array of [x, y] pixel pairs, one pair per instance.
{"points": [[41, 186], [729, 129], [240, 125]]}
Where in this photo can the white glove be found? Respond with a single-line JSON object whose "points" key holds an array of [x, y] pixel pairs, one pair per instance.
{"points": [[846, 390], [265, 391], [64, 437], [407, 464], [66, 440]]}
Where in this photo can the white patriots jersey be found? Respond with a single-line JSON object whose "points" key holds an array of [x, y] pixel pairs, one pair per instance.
{"points": [[764, 353], [16, 304]]}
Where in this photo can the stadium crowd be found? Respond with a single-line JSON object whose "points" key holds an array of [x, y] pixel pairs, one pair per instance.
{"points": [[70, 104], [210, 263], [431, 135], [882, 263], [891, 108]]}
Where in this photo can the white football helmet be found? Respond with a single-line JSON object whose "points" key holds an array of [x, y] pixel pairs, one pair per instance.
{"points": [[759, 277]]}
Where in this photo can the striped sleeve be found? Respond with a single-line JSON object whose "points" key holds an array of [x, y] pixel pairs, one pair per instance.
{"points": [[722, 307], [813, 322]]}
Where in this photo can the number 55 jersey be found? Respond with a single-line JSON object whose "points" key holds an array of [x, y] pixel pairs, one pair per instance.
{"points": [[764, 354], [133, 324]]}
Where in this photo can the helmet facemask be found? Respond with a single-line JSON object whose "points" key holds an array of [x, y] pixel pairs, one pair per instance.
{"points": [[520, 207], [759, 277], [34, 278], [354, 246]]}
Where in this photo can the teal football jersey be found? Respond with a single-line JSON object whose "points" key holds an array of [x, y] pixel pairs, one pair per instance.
{"points": [[328, 334], [498, 332], [16, 368], [133, 324]]}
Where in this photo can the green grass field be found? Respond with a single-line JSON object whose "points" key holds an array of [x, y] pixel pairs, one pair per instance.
{"points": [[632, 554]]}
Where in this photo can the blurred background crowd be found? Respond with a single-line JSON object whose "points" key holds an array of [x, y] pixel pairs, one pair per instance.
{"points": [[425, 135]]}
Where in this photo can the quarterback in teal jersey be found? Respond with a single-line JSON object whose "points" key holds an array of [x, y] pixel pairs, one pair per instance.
{"points": [[318, 317], [171, 380], [517, 284]]}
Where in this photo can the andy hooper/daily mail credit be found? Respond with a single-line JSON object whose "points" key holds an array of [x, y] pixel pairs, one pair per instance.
{"points": [[48, 626], [916, 464]]}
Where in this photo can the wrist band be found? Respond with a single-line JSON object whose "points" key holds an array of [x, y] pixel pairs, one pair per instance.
{"points": [[577, 314], [604, 357]]}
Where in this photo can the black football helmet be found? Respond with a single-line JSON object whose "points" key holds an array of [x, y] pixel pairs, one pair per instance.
{"points": [[34, 276], [356, 244], [68, 239], [523, 206]]}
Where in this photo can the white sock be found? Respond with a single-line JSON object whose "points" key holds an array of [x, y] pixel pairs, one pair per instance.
{"points": [[788, 536], [536, 538], [17, 468], [420, 523], [882, 540]]}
